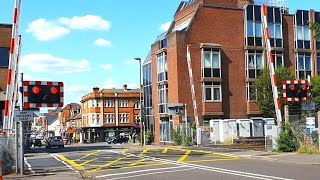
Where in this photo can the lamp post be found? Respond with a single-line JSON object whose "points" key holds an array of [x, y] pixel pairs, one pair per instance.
{"points": [[139, 59]]}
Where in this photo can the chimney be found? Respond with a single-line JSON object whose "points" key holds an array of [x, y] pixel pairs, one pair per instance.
{"points": [[95, 89], [125, 87]]}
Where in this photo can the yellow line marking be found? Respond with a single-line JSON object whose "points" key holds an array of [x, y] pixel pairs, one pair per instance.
{"points": [[145, 151], [185, 156], [212, 160], [86, 162], [108, 164], [130, 167], [71, 162], [138, 162], [165, 150], [90, 154], [207, 152], [125, 151]]}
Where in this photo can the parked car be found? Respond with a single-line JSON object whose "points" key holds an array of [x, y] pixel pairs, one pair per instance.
{"points": [[36, 142], [117, 139], [55, 141]]}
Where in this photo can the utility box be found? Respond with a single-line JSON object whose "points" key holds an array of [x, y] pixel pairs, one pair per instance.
{"points": [[215, 131], [257, 125], [233, 128], [244, 127]]}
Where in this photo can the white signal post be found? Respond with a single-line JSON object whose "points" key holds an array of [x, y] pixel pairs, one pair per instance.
{"points": [[270, 60]]}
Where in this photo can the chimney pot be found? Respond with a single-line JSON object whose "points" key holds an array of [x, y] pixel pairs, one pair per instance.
{"points": [[95, 89], [125, 87]]}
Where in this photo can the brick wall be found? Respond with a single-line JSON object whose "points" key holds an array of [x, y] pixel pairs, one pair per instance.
{"points": [[5, 36]]}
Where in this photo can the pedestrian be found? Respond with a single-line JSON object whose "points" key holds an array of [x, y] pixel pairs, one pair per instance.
{"points": [[134, 138]]}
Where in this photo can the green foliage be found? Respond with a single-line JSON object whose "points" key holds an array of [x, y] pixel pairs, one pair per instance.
{"points": [[193, 125], [264, 90], [316, 28], [187, 141], [315, 90], [177, 138], [287, 141], [149, 137]]}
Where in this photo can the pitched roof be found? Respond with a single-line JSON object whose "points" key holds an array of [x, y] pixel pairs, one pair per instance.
{"points": [[120, 91]]}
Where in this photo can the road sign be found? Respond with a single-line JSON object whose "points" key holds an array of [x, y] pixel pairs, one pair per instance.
{"points": [[308, 131], [308, 106], [176, 109], [23, 116], [310, 122]]}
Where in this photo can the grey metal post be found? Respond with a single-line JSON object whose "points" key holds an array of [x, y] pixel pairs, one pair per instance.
{"points": [[21, 149], [17, 146]]}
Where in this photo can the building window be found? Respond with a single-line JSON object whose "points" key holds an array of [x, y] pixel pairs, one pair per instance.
{"points": [[253, 26], [254, 63], [303, 65], [275, 26], [166, 130], [302, 38], [251, 92], [123, 103], [136, 119], [136, 105], [124, 117], [163, 43], [278, 59], [109, 103], [211, 62], [96, 103], [93, 118], [4, 57], [211, 91], [162, 67], [109, 118], [98, 118], [163, 99]]}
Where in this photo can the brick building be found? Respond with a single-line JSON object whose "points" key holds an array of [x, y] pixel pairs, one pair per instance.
{"points": [[227, 55], [65, 114], [5, 37], [109, 112]]}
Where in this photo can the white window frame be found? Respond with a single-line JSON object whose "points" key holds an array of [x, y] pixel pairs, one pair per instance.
{"points": [[304, 66], [255, 64], [163, 100], [250, 85], [109, 118], [124, 118], [213, 86], [136, 119], [109, 103], [123, 103], [213, 51], [162, 66], [278, 54], [136, 105]]}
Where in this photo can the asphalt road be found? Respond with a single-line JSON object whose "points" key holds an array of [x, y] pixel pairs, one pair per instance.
{"points": [[133, 162]]}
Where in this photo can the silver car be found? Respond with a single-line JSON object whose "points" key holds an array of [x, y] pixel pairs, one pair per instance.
{"points": [[55, 141]]}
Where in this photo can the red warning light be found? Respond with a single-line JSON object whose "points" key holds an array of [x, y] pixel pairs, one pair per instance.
{"points": [[292, 88], [304, 88], [54, 90], [36, 90]]}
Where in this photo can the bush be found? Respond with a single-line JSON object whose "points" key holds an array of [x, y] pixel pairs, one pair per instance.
{"points": [[306, 148], [177, 138], [187, 141], [149, 137], [287, 141]]}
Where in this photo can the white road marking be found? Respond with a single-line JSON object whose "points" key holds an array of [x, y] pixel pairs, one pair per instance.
{"points": [[29, 165], [139, 175], [54, 156], [213, 169], [145, 170]]}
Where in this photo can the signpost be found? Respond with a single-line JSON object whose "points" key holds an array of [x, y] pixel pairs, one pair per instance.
{"points": [[23, 116], [308, 106]]}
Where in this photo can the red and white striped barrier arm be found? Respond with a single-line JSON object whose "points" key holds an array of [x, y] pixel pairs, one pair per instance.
{"points": [[8, 100], [270, 58]]}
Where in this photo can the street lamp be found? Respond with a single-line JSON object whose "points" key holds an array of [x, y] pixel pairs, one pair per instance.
{"points": [[139, 59]]}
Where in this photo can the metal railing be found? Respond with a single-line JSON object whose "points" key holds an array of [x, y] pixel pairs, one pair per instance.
{"points": [[8, 154]]}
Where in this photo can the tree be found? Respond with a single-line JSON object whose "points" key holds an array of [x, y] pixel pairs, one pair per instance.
{"points": [[316, 28], [264, 90], [315, 91]]}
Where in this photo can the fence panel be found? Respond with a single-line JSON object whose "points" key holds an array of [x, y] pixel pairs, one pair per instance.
{"points": [[8, 154]]}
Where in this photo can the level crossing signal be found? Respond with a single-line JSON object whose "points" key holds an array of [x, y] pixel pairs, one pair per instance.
{"points": [[298, 90]]}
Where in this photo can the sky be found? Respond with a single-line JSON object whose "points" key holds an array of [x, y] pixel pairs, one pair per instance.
{"points": [[93, 43]]}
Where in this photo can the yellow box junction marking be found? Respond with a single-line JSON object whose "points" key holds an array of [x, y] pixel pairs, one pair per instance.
{"points": [[125, 151], [185, 156], [89, 161], [165, 150], [90, 154], [108, 164], [138, 162], [71, 162], [145, 151]]}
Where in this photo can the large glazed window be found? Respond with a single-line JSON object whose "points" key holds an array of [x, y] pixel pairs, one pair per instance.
{"points": [[275, 26], [254, 63], [162, 66], [302, 31], [211, 92], [303, 65], [4, 57], [163, 99], [211, 62], [253, 26]]}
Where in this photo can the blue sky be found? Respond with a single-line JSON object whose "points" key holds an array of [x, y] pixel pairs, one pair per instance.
{"points": [[87, 43]]}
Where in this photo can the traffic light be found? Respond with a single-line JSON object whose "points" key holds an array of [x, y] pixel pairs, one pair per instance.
{"points": [[42, 94]]}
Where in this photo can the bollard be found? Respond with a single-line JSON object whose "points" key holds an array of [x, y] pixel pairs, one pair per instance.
{"points": [[1, 170]]}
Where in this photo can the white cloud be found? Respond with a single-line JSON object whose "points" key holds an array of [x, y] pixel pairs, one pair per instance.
{"points": [[74, 93], [106, 66], [133, 86], [132, 61], [86, 22], [44, 30], [46, 63], [165, 26], [109, 84], [102, 42]]}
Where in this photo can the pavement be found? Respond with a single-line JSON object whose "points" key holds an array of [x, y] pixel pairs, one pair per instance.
{"points": [[131, 161]]}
